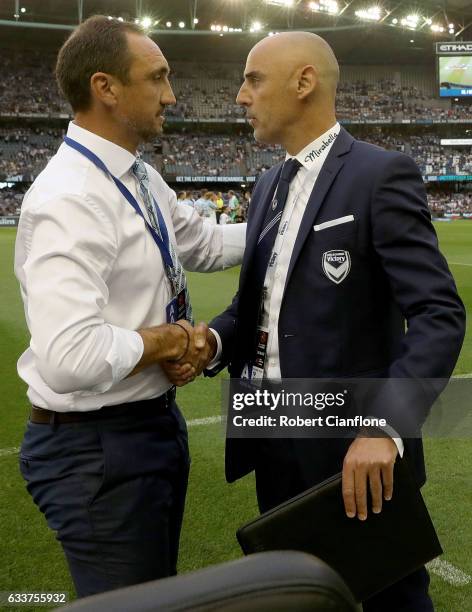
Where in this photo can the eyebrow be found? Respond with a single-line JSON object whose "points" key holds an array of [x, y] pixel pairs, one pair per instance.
{"points": [[164, 70], [252, 74]]}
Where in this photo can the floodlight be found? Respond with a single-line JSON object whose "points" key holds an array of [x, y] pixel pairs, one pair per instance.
{"points": [[411, 21], [371, 14], [324, 6], [286, 3], [181, 24], [195, 21], [256, 26], [146, 22], [168, 24], [22, 9]]}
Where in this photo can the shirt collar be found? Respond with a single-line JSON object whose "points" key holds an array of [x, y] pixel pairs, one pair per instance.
{"points": [[314, 154], [116, 159]]}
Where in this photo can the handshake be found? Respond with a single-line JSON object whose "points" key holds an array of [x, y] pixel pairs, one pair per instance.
{"points": [[195, 348]]}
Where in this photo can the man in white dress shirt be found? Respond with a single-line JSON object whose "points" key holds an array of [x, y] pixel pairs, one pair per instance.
{"points": [[99, 255]]}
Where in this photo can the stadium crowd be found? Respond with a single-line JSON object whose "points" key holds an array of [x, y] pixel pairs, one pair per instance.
{"points": [[26, 152], [207, 92], [10, 201], [203, 156], [231, 206], [443, 203]]}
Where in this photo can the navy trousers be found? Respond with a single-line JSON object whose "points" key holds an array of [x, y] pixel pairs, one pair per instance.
{"points": [[279, 476], [114, 491]]}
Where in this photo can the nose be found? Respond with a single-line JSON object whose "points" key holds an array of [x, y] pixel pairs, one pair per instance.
{"points": [[242, 97], [168, 97]]}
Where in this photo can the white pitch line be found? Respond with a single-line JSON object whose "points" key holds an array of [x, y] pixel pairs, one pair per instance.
{"points": [[448, 572], [4, 452], [205, 421], [459, 263]]}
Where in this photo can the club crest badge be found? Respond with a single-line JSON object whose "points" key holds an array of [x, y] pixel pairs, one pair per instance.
{"points": [[336, 265]]}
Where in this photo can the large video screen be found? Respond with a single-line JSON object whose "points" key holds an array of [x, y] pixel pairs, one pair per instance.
{"points": [[455, 76]]}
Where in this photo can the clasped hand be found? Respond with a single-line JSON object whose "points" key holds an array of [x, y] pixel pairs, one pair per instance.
{"points": [[200, 351]]}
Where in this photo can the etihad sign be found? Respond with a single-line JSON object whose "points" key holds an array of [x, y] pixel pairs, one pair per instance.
{"points": [[454, 47]]}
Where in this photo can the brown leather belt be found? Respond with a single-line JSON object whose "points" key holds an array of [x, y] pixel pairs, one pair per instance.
{"points": [[151, 406]]}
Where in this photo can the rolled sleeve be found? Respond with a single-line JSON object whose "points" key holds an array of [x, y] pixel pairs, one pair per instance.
{"points": [[126, 350]]}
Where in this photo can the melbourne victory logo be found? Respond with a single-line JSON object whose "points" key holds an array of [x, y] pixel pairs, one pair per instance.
{"points": [[336, 265]]}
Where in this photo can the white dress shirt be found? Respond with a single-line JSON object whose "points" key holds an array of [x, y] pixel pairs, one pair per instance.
{"points": [[312, 158], [90, 274]]}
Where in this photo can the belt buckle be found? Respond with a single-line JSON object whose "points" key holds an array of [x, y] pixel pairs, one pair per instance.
{"points": [[53, 419]]}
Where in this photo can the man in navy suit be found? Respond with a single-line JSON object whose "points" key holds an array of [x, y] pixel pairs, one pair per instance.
{"points": [[340, 253]]}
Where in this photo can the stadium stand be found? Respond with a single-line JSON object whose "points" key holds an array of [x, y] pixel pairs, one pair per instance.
{"points": [[207, 92], [27, 151], [380, 98]]}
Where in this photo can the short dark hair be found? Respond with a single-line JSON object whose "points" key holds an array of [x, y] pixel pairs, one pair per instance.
{"points": [[97, 45]]}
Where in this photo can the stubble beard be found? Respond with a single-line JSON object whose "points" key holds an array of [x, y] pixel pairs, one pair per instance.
{"points": [[144, 132]]}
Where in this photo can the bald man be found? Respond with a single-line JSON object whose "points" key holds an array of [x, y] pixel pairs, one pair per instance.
{"points": [[340, 252]]}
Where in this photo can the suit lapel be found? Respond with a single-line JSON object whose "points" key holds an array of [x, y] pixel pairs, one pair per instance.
{"points": [[333, 164]]}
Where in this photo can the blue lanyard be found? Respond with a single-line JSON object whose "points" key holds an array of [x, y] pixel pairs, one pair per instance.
{"points": [[162, 243]]}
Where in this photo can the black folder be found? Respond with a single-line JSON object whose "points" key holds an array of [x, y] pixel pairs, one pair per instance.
{"points": [[370, 555]]}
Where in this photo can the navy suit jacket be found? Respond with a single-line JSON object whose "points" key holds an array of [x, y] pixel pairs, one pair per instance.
{"points": [[355, 328]]}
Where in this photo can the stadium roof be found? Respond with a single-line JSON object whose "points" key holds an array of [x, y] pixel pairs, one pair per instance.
{"points": [[397, 30]]}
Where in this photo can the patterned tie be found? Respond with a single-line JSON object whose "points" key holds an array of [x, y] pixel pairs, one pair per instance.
{"points": [[175, 273], [271, 223]]}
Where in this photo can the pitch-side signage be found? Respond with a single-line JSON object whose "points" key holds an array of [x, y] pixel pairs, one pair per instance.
{"points": [[9, 221], [456, 141]]}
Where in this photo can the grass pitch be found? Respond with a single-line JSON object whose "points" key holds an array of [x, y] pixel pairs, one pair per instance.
{"points": [[32, 560]]}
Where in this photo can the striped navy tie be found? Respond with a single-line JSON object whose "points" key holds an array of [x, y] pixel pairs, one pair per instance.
{"points": [[175, 274], [271, 223]]}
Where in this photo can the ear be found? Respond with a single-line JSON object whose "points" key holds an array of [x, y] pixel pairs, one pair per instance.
{"points": [[104, 88], [307, 81]]}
